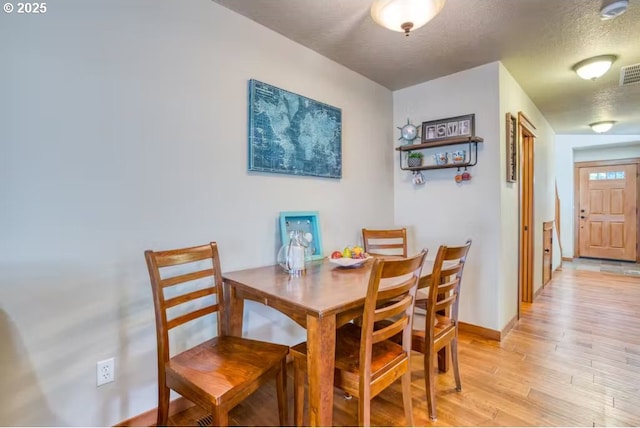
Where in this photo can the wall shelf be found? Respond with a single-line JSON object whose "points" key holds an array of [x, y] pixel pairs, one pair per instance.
{"points": [[473, 152]]}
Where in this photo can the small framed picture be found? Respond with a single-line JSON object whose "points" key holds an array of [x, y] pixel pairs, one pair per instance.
{"points": [[306, 221], [453, 127]]}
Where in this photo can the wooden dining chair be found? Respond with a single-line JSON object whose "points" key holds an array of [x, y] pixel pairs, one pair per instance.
{"points": [[366, 361], [391, 242], [222, 370], [441, 318]]}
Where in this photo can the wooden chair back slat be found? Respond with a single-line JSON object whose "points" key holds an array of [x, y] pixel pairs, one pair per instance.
{"points": [[190, 316], [455, 253], [446, 288], [453, 270], [391, 241], [397, 290], [184, 298], [191, 276], [389, 311], [389, 331], [381, 246], [179, 257], [445, 304]]}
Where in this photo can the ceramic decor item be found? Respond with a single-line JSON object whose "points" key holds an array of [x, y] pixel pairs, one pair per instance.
{"points": [[459, 156], [441, 158]]}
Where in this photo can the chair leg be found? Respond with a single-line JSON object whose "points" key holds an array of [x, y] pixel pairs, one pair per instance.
{"points": [[430, 384], [163, 406], [406, 398], [364, 408], [281, 384], [454, 361], [298, 392]]}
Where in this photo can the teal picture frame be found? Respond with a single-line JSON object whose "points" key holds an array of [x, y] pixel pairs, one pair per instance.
{"points": [[308, 222]]}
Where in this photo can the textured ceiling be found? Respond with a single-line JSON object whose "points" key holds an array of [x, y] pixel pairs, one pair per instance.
{"points": [[538, 41]]}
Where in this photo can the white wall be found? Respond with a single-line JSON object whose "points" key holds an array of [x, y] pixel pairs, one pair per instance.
{"points": [[123, 127], [485, 208], [513, 100], [582, 148], [607, 152], [442, 211]]}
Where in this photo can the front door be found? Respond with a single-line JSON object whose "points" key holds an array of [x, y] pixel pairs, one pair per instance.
{"points": [[607, 212]]}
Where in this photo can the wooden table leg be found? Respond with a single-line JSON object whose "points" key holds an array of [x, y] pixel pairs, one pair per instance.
{"points": [[235, 312], [321, 347]]}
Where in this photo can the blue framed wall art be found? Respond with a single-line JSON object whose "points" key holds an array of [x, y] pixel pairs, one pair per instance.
{"points": [[293, 134]]}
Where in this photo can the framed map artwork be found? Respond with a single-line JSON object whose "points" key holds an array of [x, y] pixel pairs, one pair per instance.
{"points": [[292, 134]]}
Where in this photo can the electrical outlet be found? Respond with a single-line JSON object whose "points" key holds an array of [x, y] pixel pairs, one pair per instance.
{"points": [[105, 371]]}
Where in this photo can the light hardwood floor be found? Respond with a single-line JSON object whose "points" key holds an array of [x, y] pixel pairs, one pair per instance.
{"points": [[573, 359]]}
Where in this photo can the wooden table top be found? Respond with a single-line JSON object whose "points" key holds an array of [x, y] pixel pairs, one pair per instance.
{"points": [[325, 289]]}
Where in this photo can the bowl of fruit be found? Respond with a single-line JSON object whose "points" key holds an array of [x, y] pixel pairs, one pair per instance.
{"points": [[349, 257]]}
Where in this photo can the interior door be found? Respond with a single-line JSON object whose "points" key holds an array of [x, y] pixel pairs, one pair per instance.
{"points": [[527, 209], [607, 212]]}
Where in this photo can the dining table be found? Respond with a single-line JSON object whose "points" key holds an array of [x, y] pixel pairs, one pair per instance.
{"points": [[325, 297]]}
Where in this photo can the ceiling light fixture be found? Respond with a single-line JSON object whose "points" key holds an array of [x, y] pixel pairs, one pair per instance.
{"points": [[613, 9], [592, 68], [405, 15], [601, 127]]}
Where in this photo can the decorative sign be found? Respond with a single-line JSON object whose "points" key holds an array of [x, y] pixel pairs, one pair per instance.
{"points": [[292, 134], [453, 127], [512, 149]]}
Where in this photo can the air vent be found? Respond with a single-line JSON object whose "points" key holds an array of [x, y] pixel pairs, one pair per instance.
{"points": [[205, 421], [630, 75]]}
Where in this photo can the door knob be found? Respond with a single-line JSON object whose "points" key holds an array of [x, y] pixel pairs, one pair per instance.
{"points": [[582, 217], [546, 250]]}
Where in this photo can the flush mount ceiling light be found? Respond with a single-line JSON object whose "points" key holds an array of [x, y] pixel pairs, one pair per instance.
{"points": [[405, 15], [592, 68], [613, 9], [601, 127]]}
